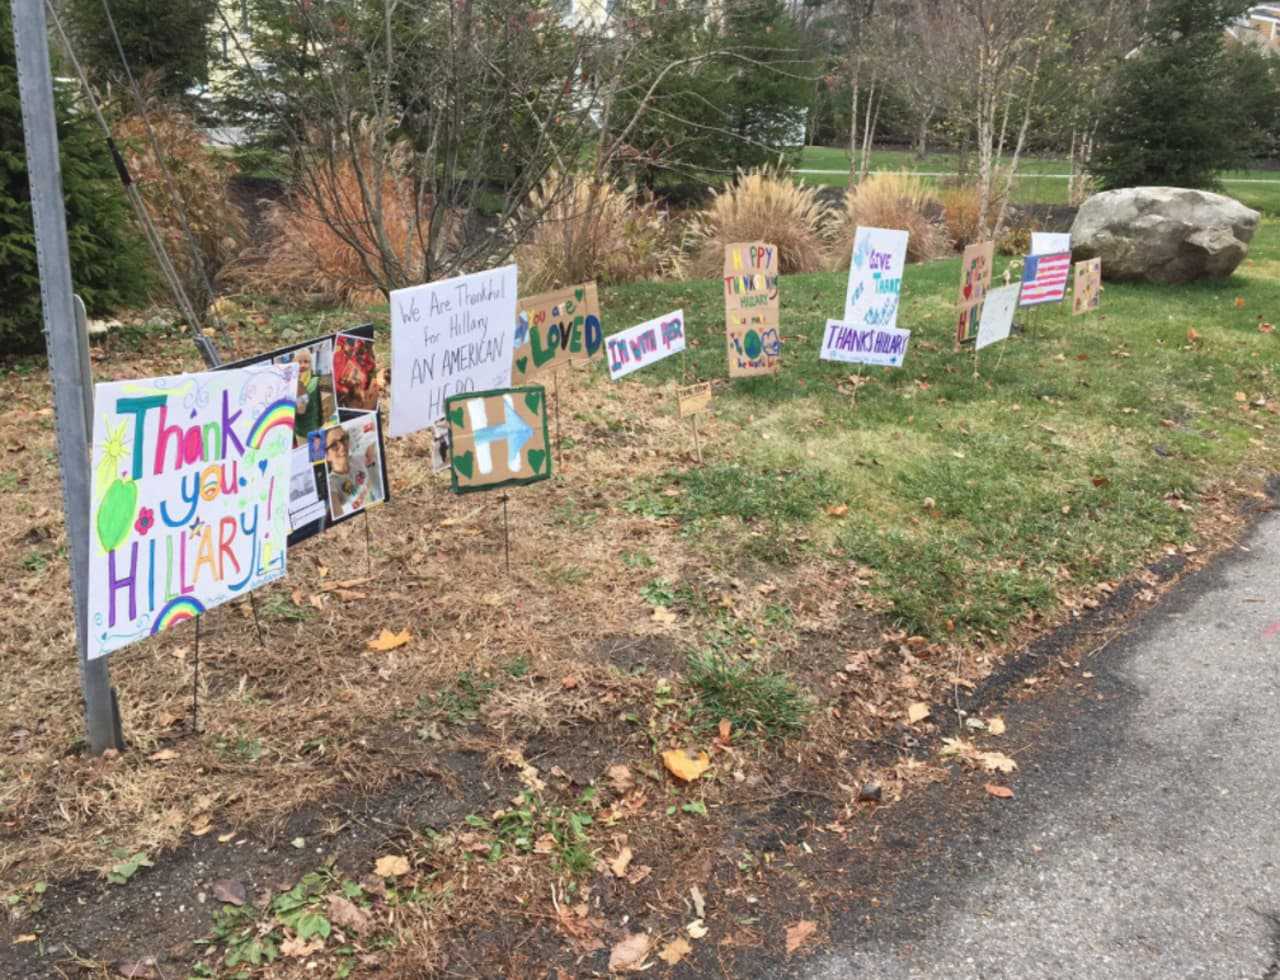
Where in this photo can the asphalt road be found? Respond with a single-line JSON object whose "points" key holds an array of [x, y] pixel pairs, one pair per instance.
{"points": [[1144, 839]]}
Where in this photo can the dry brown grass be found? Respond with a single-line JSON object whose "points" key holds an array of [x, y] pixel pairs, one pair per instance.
{"points": [[892, 200], [322, 242], [596, 231], [960, 202], [763, 205], [202, 181]]}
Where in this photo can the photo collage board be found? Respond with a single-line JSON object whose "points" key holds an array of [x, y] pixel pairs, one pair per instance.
{"points": [[338, 465]]}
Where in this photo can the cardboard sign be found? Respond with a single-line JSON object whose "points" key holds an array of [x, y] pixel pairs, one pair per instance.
{"points": [[447, 338], [997, 315], [853, 343], [499, 438], [645, 344], [555, 330], [342, 376], [694, 399], [190, 505], [975, 280], [875, 278], [1087, 295], [1050, 242], [1044, 278], [751, 309]]}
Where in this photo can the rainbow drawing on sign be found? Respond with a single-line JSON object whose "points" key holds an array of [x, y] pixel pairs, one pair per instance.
{"points": [[178, 611], [279, 413]]}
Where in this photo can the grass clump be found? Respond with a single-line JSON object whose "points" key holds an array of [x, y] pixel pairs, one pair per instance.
{"points": [[893, 200], [770, 496], [766, 703], [763, 205]]}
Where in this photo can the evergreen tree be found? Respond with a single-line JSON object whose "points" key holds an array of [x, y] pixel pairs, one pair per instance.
{"points": [[1173, 117], [107, 258], [168, 40]]}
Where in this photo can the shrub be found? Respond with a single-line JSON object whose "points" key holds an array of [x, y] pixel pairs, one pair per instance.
{"points": [[893, 200], [595, 230], [763, 205], [202, 179], [108, 260], [960, 203], [321, 243]]}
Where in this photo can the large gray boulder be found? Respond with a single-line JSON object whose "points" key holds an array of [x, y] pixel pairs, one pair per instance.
{"points": [[1163, 234]]}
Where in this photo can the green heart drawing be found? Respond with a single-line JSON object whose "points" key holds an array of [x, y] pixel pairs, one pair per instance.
{"points": [[522, 364], [464, 463], [579, 294], [536, 458], [531, 399], [455, 416]]}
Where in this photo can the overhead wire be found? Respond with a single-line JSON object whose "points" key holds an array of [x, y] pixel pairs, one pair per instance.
{"points": [[167, 269]]}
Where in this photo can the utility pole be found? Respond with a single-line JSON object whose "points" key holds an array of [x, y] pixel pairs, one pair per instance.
{"points": [[72, 387]]}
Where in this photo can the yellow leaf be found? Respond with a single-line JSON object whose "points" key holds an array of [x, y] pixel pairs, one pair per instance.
{"points": [[696, 929], [164, 755], [226, 838], [675, 951], [661, 614], [391, 866], [996, 726], [996, 762], [684, 766], [201, 825], [26, 937], [386, 640], [620, 864], [1241, 396], [917, 711]]}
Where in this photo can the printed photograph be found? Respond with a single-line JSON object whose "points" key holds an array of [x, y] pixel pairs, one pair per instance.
{"points": [[355, 373], [353, 467], [441, 444], [317, 402]]}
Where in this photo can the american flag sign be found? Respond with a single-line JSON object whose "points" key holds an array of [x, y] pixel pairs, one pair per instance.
{"points": [[1044, 278]]}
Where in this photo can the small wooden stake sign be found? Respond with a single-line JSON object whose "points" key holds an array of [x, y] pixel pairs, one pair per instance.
{"points": [[693, 400]]}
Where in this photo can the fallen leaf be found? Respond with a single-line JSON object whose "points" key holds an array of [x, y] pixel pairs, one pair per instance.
{"points": [[996, 726], [228, 891], [1239, 302], [838, 510], [345, 914], [226, 838], [638, 874], [799, 934], [386, 640], [1000, 792], [696, 929], [620, 779], [627, 956], [164, 755], [201, 825], [996, 762], [297, 948], [661, 614], [1266, 328], [917, 711], [684, 766], [726, 728], [144, 969], [391, 866], [1241, 396], [568, 683], [1192, 336], [546, 844], [675, 951], [699, 903], [620, 864], [26, 937]]}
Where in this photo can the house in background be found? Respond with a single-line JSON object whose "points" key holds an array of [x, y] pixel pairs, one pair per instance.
{"points": [[1260, 26]]}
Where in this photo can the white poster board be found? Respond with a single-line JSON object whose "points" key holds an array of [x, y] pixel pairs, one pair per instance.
{"points": [[1049, 242], [191, 491], [875, 277], [997, 315], [644, 344], [449, 337], [854, 343]]}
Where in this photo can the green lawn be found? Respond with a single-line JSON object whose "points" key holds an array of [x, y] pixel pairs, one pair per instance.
{"points": [[1039, 180], [1079, 450]]}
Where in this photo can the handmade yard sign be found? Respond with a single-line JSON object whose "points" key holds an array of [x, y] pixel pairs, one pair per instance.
{"points": [[448, 338], [997, 315], [1087, 294], [853, 343], [975, 280], [1050, 242], [499, 438], [191, 483], [645, 344], [692, 401], [875, 278], [751, 309], [1044, 278], [555, 330], [347, 360]]}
